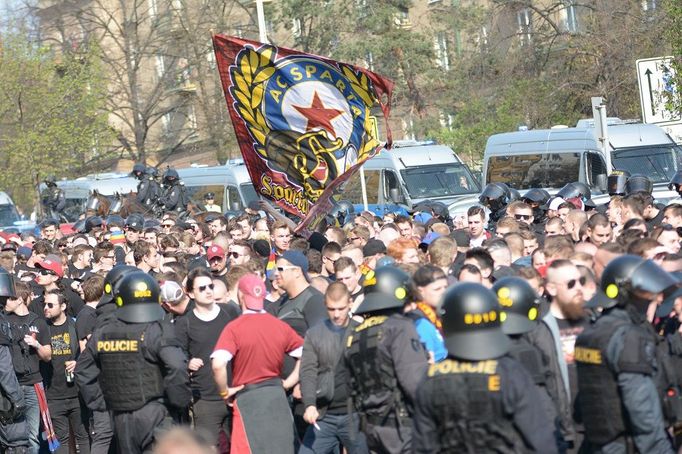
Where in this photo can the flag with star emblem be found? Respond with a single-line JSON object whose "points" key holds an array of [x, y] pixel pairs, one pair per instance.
{"points": [[304, 123]]}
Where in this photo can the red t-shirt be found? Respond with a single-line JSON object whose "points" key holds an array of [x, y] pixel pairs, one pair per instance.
{"points": [[257, 343]]}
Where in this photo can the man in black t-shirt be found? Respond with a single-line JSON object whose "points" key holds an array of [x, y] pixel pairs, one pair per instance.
{"points": [[30, 345], [60, 389], [198, 331]]}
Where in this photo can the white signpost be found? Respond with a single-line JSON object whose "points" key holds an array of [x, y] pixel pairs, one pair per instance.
{"points": [[655, 80]]}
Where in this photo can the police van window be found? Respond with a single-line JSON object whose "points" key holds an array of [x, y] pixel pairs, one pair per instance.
{"points": [[551, 170], [8, 215], [196, 193], [232, 197], [439, 180], [658, 163], [594, 166], [353, 190]]}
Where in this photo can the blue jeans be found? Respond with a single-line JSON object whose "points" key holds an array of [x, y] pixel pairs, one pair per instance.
{"points": [[32, 417], [334, 430]]}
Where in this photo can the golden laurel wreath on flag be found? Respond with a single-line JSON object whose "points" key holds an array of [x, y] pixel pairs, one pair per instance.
{"points": [[253, 69]]}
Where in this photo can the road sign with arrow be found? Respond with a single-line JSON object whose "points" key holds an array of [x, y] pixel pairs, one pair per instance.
{"points": [[655, 80]]}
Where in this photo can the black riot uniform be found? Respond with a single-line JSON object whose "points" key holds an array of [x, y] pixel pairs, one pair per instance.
{"points": [[174, 196], [618, 363], [134, 367], [520, 316], [479, 399], [13, 429], [148, 190], [52, 199], [386, 360]]}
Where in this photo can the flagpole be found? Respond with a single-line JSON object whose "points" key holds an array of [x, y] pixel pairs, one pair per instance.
{"points": [[260, 12], [364, 188]]}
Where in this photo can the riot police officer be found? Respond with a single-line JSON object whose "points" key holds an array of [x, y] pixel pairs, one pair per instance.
{"points": [[174, 197], [386, 360], [148, 190], [619, 399], [537, 199], [52, 199], [13, 430], [135, 367], [520, 315], [478, 399], [638, 183], [495, 197]]}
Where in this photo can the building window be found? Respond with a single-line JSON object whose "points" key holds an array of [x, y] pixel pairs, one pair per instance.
{"points": [[192, 119], [649, 5], [523, 18], [441, 50], [160, 66], [482, 39], [153, 9], [569, 16], [296, 28], [166, 123]]}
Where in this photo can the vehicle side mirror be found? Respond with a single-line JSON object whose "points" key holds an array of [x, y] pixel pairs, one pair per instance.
{"points": [[601, 182], [235, 206], [394, 194]]}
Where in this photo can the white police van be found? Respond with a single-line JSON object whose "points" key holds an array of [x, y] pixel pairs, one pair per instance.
{"points": [[230, 183], [550, 158], [409, 173], [10, 220]]}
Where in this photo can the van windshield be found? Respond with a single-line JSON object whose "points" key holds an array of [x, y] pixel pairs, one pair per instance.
{"points": [[535, 170], [440, 180], [658, 163], [8, 215]]}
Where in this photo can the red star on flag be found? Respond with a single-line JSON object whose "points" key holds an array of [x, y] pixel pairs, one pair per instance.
{"points": [[318, 115]]}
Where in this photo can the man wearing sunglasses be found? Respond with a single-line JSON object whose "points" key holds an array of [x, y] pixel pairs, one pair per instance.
{"points": [[566, 318], [217, 260], [198, 331], [60, 389]]}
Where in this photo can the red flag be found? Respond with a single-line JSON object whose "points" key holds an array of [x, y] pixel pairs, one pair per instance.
{"points": [[303, 122]]}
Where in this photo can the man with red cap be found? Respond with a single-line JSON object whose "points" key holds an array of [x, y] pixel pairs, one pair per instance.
{"points": [[255, 343]]}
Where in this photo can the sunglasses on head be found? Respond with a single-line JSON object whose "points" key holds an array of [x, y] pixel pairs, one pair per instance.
{"points": [[570, 284], [202, 288], [523, 217]]}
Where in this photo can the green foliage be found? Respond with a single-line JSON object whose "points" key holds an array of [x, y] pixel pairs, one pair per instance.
{"points": [[50, 115]]}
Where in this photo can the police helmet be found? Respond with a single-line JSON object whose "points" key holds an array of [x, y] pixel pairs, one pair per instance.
{"points": [[519, 305], [628, 273], [91, 223], [138, 169], [494, 194], [615, 182], [342, 211], [575, 189], [676, 181], [209, 196], [6, 285], [639, 183], [171, 175], [535, 195], [390, 287], [152, 171], [50, 179], [115, 220], [138, 298], [135, 222], [514, 194], [471, 323], [111, 281]]}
